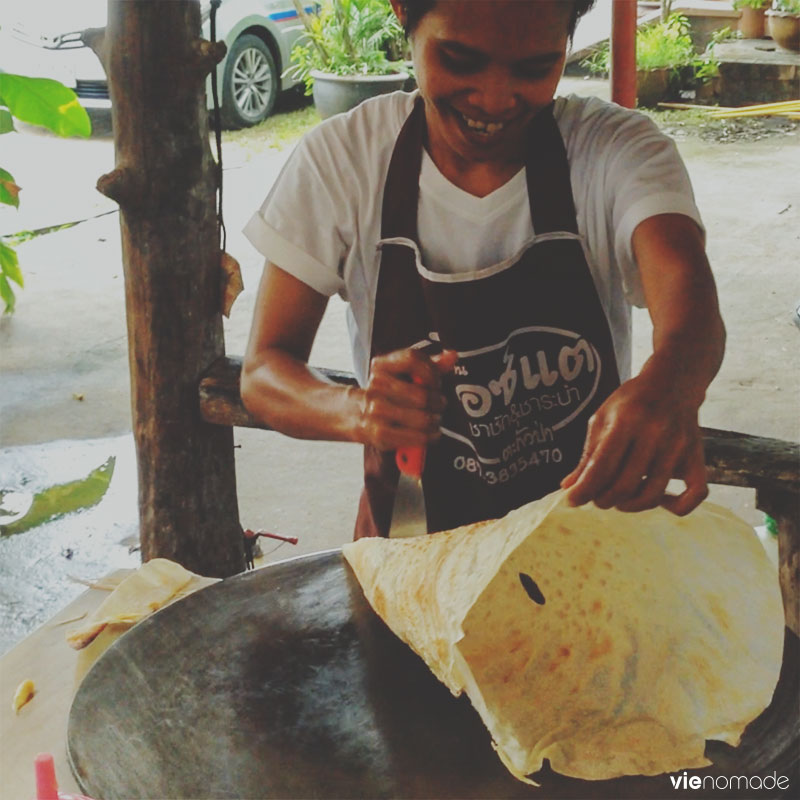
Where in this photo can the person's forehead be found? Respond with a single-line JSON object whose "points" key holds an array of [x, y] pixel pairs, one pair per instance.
{"points": [[502, 8], [515, 27]]}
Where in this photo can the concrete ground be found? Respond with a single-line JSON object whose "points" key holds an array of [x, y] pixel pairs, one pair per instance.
{"points": [[64, 405]]}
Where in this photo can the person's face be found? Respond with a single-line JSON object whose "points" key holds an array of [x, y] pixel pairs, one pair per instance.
{"points": [[485, 68]]}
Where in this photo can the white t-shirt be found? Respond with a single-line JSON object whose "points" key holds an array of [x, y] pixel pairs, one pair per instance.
{"points": [[321, 220]]}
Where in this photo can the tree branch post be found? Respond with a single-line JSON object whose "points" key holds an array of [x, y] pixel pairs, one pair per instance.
{"points": [[164, 183]]}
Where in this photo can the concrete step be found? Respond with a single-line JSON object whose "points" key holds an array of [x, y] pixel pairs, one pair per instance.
{"points": [[756, 71]]}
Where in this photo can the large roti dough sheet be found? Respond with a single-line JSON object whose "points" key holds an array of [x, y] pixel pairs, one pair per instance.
{"points": [[608, 643]]}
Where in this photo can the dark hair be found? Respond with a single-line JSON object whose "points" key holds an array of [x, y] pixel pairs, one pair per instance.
{"points": [[417, 9]]}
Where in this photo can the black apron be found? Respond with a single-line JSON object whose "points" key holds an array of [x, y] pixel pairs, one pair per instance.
{"points": [[536, 357]]}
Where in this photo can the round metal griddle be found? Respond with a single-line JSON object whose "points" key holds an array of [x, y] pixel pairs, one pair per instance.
{"points": [[283, 683]]}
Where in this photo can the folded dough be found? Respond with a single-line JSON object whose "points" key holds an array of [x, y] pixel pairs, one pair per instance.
{"points": [[609, 643], [155, 584]]}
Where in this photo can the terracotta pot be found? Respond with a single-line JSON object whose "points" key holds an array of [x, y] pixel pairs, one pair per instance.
{"points": [[652, 86], [784, 28], [334, 94], [752, 23]]}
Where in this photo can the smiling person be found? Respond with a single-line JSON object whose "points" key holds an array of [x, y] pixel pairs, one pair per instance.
{"points": [[490, 242]]}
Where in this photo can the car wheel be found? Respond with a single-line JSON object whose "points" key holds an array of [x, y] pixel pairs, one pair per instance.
{"points": [[250, 83]]}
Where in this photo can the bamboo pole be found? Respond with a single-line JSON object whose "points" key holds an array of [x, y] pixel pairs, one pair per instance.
{"points": [[787, 104], [785, 108], [767, 110], [784, 114], [694, 106]]}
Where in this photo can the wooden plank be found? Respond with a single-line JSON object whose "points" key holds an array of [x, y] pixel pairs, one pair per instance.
{"points": [[738, 459], [733, 459], [220, 399]]}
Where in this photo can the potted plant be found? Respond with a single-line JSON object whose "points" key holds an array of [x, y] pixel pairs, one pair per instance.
{"points": [[752, 22], [663, 50], [351, 50], [784, 23]]}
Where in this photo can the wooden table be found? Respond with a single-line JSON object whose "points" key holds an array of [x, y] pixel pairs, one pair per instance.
{"points": [[40, 727]]}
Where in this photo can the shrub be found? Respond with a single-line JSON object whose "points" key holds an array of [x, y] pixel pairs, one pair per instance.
{"points": [[348, 37]]}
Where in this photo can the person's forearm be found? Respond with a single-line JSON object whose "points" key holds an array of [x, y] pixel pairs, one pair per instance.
{"points": [[688, 332], [292, 398], [646, 432], [688, 356]]}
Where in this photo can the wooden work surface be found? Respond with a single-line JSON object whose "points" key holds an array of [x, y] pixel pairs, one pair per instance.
{"points": [[40, 727]]}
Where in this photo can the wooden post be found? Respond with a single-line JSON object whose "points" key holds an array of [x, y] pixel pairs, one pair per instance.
{"points": [[784, 508], [164, 183], [623, 52]]}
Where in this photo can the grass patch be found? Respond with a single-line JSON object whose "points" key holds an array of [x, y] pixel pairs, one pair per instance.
{"points": [[293, 117], [674, 116]]}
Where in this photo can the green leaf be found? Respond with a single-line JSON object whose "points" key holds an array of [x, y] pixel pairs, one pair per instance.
{"points": [[6, 121], [7, 295], [9, 191], [9, 264], [41, 101], [65, 498]]}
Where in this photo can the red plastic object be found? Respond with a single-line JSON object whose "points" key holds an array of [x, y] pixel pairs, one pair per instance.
{"points": [[290, 539], [46, 783], [250, 534], [411, 461]]}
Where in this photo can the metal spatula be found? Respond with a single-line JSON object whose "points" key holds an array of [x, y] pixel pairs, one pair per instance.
{"points": [[408, 515]]}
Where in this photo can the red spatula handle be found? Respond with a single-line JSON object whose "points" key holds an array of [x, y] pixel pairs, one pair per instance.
{"points": [[411, 461]]}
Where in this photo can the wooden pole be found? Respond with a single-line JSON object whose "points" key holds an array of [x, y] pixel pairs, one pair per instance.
{"points": [[165, 186], [623, 52], [784, 508]]}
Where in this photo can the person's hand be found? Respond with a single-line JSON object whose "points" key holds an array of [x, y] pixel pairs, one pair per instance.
{"points": [[640, 438], [402, 404]]}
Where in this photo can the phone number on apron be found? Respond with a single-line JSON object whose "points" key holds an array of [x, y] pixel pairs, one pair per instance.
{"points": [[505, 474]]}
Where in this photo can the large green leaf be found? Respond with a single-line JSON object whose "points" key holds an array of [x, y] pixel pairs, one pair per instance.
{"points": [[9, 264], [41, 101], [6, 121], [9, 191], [57, 501], [7, 294]]}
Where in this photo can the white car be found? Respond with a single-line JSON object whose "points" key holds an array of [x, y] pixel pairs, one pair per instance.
{"points": [[42, 38]]}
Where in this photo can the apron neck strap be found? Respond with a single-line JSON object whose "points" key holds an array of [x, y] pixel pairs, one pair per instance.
{"points": [[401, 194], [547, 170]]}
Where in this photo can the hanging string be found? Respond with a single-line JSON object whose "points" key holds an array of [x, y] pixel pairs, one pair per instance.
{"points": [[217, 126]]}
